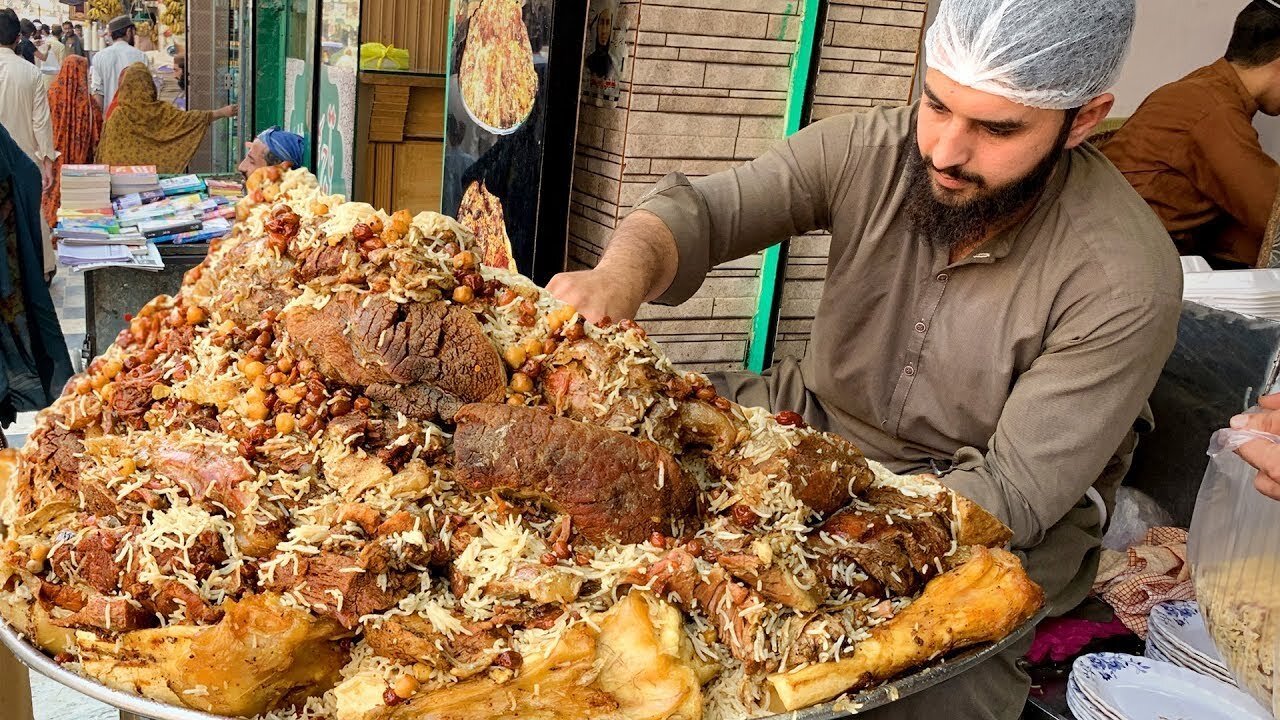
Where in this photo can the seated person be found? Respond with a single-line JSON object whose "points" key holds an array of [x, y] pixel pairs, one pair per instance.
{"points": [[272, 147], [1193, 154]]}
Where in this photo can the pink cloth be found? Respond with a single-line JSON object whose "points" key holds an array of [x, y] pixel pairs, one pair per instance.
{"points": [[1146, 575], [1059, 639]]}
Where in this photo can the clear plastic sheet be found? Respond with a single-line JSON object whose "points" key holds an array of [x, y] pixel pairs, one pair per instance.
{"points": [[1234, 549]]}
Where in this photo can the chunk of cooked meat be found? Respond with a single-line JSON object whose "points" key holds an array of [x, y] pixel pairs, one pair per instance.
{"points": [[536, 582], [897, 541], [342, 587], [774, 582], [612, 485], [436, 352], [557, 687], [110, 614], [413, 639], [212, 478], [982, 600], [91, 560], [725, 602], [825, 471]]}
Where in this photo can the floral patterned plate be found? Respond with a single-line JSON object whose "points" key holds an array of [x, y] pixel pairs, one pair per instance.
{"points": [[1135, 688]]}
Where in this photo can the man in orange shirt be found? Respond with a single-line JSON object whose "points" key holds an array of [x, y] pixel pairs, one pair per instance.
{"points": [[1192, 152]]}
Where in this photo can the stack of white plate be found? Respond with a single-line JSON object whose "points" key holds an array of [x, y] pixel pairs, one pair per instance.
{"points": [[1176, 634], [1248, 292], [1110, 686]]}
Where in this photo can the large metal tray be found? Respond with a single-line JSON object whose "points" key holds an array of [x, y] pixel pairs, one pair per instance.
{"points": [[882, 695]]}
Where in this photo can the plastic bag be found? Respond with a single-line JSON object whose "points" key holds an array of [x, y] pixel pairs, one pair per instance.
{"points": [[376, 56], [1234, 549], [1135, 514]]}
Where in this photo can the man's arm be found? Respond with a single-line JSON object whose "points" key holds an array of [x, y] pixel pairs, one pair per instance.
{"points": [[683, 228], [637, 268], [1230, 167], [43, 129], [1069, 412], [96, 88]]}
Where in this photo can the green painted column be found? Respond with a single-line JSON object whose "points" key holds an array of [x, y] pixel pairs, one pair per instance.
{"points": [[270, 35], [764, 325]]}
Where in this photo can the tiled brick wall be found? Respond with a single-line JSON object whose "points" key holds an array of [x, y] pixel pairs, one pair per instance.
{"points": [[704, 90]]}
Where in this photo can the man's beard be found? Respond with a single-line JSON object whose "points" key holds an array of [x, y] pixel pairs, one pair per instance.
{"points": [[947, 225]]}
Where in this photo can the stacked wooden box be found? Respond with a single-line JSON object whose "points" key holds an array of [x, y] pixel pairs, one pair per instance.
{"points": [[704, 89]]}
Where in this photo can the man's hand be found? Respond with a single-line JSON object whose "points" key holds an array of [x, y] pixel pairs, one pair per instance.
{"points": [[226, 111], [1263, 454], [46, 174], [598, 293]]}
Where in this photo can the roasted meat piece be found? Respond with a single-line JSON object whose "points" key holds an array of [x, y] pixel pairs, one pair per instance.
{"points": [[897, 541], [730, 606], [413, 639], [342, 587], [612, 485], [423, 359]]}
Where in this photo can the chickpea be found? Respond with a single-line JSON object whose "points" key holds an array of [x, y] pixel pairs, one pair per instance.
{"points": [[375, 224], [558, 317], [463, 294], [255, 395], [257, 411], [515, 400], [521, 383], [340, 406], [254, 369], [99, 381], [128, 467], [261, 382], [533, 347], [278, 378], [40, 551], [160, 392], [514, 355], [405, 686], [83, 386], [285, 364], [289, 395], [464, 260], [226, 327], [112, 369], [195, 315], [285, 424], [319, 208]]}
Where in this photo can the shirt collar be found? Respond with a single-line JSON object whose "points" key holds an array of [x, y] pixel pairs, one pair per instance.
{"points": [[1225, 72]]}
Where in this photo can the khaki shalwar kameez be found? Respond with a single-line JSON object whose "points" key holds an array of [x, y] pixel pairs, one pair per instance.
{"points": [[1018, 374]]}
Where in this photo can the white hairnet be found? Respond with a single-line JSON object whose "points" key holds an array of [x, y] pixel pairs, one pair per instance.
{"points": [[1055, 54]]}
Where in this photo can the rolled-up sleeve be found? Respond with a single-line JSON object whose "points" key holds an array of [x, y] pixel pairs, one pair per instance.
{"points": [[731, 214], [1069, 412]]}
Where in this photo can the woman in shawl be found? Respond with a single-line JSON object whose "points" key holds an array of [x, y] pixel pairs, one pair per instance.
{"points": [[34, 362], [142, 130], [77, 125]]}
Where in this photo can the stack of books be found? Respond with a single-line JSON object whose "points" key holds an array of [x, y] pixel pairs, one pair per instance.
{"points": [[86, 189], [225, 188], [182, 185], [133, 180], [126, 231]]}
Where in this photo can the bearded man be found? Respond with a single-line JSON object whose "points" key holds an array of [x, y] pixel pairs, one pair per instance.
{"points": [[998, 304]]}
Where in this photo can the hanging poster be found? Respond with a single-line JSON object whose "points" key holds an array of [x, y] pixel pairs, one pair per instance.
{"points": [[606, 52], [336, 96], [514, 73]]}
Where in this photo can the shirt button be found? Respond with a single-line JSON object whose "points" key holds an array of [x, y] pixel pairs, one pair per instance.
{"points": [[942, 277], [920, 327], [909, 371]]}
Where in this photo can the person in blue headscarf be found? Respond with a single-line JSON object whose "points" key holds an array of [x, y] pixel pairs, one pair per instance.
{"points": [[273, 146], [34, 362]]}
